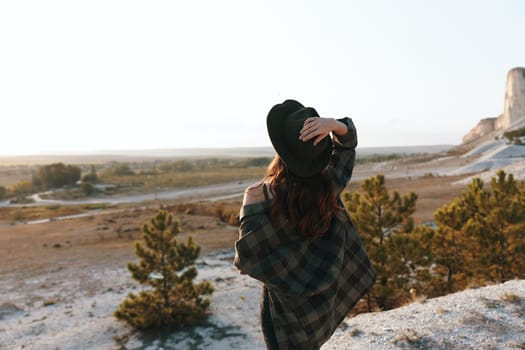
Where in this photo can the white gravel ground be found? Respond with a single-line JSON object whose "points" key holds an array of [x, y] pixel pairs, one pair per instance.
{"points": [[81, 318], [492, 317], [493, 155]]}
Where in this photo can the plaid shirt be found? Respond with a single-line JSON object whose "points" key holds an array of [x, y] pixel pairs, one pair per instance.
{"points": [[312, 283]]}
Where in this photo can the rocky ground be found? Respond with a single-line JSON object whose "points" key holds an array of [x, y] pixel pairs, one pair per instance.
{"points": [[72, 309], [491, 317]]}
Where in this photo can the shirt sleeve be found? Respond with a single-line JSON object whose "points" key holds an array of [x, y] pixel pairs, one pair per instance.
{"points": [[343, 156], [252, 217]]}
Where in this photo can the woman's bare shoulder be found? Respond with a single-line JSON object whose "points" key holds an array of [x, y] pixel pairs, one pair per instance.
{"points": [[254, 194]]}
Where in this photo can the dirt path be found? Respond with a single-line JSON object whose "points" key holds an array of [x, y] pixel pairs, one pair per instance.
{"points": [[200, 192]]}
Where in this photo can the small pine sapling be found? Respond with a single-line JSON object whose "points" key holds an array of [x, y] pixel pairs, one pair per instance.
{"points": [[166, 266]]}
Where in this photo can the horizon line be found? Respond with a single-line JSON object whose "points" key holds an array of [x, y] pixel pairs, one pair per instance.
{"points": [[144, 151]]}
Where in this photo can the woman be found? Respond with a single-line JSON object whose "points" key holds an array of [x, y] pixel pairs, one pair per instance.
{"points": [[295, 235]]}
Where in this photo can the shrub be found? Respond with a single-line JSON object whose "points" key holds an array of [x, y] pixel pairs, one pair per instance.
{"points": [[22, 188], [87, 188], [511, 135], [91, 177], [56, 175], [123, 169]]}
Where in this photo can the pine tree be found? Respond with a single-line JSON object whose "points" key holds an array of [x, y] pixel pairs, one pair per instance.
{"points": [[480, 235], [449, 246], [92, 176], [166, 266], [500, 230], [385, 224]]}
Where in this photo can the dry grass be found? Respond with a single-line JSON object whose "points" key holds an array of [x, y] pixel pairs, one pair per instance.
{"points": [[145, 180], [186, 179], [478, 323], [512, 298], [8, 308], [48, 302], [409, 338], [226, 212], [102, 240], [8, 179], [146, 183], [441, 311], [356, 332], [517, 304], [491, 303], [13, 214], [432, 191]]}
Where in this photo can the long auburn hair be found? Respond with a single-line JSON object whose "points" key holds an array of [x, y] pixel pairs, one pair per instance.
{"points": [[308, 204]]}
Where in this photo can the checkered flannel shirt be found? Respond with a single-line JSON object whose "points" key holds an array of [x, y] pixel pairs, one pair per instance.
{"points": [[312, 283]]}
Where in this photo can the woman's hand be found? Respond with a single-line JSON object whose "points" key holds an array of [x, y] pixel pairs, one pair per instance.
{"points": [[320, 128]]}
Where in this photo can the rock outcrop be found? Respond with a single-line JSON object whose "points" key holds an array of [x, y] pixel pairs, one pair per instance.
{"points": [[514, 97], [484, 127], [514, 107]]}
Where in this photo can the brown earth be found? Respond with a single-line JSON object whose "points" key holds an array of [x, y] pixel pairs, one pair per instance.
{"points": [[102, 240]]}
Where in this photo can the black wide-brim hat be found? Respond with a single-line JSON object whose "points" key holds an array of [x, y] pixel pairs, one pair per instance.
{"points": [[303, 159]]}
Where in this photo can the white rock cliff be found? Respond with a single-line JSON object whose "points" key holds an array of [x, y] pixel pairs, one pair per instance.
{"points": [[514, 97], [514, 107]]}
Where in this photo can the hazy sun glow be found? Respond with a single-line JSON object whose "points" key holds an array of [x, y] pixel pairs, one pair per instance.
{"points": [[82, 76]]}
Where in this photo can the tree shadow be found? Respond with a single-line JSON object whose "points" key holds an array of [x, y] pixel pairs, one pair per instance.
{"points": [[206, 336]]}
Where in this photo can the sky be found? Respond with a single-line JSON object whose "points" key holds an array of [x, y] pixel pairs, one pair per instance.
{"points": [[84, 76]]}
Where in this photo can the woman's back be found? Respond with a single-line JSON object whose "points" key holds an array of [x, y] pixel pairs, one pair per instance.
{"points": [[297, 239]]}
